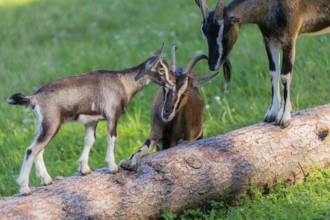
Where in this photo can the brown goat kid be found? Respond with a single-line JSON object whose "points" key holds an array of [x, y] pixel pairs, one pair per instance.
{"points": [[177, 112], [87, 98]]}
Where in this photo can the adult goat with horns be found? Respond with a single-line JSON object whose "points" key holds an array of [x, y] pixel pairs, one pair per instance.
{"points": [[177, 112], [280, 22]]}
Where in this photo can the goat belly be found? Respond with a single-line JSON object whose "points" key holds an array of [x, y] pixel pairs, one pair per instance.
{"points": [[85, 119]]}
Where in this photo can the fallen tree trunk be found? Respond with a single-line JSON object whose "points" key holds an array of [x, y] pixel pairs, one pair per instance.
{"points": [[186, 176]]}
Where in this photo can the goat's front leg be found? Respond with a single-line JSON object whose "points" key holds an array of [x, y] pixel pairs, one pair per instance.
{"points": [[134, 159], [110, 156], [89, 141], [273, 53], [284, 116]]}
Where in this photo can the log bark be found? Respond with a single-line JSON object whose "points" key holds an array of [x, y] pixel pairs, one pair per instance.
{"points": [[187, 175]]}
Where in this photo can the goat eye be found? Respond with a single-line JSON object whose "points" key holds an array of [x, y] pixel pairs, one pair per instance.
{"points": [[161, 71]]}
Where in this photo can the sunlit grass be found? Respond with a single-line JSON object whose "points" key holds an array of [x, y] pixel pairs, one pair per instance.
{"points": [[14, 2]]}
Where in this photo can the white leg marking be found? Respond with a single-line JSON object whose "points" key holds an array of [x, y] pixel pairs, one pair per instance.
{"points": [[41, 169], [284, 116], [23, 178], [89, 141], [275, 78], [110, 156]]}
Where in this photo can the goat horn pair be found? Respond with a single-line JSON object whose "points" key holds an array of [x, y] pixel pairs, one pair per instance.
{"points": [[192, 63]]}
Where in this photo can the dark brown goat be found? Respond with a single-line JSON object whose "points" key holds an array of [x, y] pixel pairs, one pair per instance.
{"points": [[280, 22], [177, 112]]}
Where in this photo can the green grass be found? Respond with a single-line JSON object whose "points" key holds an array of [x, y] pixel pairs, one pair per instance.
{"points": [[45, 40]]}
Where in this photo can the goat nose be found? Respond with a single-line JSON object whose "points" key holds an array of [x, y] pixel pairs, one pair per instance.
{"points": [[212, 66], [166, 114]]}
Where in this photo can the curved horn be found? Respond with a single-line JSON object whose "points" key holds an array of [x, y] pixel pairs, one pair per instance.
{"points": [[218, 11], [192, 63], [204, 79], [202, 5], [172, 64]]}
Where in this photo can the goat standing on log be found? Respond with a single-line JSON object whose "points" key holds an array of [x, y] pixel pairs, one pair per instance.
{"points": [[87, 99], [280, 22], [177, 112]]}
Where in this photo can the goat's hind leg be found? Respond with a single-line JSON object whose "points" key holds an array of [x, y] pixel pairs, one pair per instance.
{"points": [[34, 153], [89, 141]]}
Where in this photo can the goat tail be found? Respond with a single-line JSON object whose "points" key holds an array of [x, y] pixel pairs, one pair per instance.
{"points": [[19, 99]]}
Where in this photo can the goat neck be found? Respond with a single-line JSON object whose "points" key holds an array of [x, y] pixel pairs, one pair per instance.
{"points": [[247, 12], [132, 86]]}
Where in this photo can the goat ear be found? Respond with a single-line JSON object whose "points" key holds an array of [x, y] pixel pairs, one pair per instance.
{"points": [[200, 80], [150, 64], [141, 74], [147, 67]]}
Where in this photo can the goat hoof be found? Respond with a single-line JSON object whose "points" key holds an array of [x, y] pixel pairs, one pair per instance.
{"points": [[285, 124], [25, 193], [269, 118], [127, 165], [48, 183], [85, 172], [114, 169]]}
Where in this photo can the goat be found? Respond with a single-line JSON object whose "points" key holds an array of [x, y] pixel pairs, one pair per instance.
{"points": [[177, 112], [280, 22], [87, 98]]}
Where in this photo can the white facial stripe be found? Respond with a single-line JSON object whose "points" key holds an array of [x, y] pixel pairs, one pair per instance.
{"points": [[181, 91], [219, 38], [167, 76], [203, 35], [165, 100]]}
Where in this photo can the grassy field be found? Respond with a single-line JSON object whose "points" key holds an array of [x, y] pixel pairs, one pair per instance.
{"points": [[45, 40]]}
